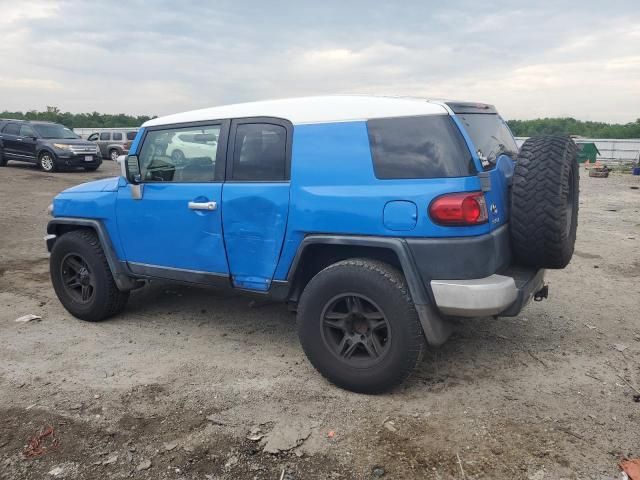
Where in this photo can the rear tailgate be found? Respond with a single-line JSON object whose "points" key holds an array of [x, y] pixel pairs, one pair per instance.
{"points": [[494, 149]]}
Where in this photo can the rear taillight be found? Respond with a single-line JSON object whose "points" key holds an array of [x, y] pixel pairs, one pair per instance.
{"points": [[459, 209], [127, 145]]}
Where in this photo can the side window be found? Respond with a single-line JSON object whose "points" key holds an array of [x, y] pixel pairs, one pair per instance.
{"points": [[93, 137], [117, 136], [105, 136], [260, 152], [27, 131], [185, 155], [131, 135], [428, 146], [12, 129]]}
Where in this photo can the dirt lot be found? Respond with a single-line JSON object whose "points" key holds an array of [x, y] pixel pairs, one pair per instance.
{"points": [[173, 387]]}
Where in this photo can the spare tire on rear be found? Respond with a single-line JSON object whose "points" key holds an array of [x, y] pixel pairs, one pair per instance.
{"points": [[544, 202]]}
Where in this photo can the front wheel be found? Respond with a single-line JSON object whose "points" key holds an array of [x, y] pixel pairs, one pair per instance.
{"points": [[358, 326], [46, 162], [82, 278]]}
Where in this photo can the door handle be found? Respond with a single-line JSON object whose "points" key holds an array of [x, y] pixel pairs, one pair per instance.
{"points": [[203, 205]]}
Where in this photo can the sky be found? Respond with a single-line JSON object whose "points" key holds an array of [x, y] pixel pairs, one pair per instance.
{"points": [[530, 59]]}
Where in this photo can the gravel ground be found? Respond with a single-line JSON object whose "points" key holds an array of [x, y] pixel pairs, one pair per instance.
{"points": [[185, 383]]}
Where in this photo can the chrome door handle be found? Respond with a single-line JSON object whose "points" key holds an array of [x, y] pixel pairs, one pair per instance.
{"points": [[203, 205]]}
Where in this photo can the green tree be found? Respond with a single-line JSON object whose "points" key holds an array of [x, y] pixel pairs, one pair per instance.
{"points": [[79, 120], [571, 126]]}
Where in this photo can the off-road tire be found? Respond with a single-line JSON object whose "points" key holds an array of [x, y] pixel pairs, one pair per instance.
{"points": [[112, 156], [544, 202], [387, 287], [107, 299]]}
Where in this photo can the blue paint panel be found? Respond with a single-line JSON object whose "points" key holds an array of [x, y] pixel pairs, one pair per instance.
{"points": [[254, 218], [133, 150], [161, 230], [334, 190], [92, 203], [102, 185], [400, 215]]}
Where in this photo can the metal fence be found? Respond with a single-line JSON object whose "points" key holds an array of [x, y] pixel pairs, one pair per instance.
{"points": [[613, 152], [85, 132]]}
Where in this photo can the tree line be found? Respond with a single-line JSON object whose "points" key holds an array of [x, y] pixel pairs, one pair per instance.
{"points": [[571, 126], [79, 120], [520, 128]]}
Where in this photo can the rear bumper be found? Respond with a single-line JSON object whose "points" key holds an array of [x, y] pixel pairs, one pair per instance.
{"points": [[503, 295]]}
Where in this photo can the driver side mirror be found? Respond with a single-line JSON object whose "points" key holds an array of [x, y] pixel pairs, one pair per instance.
{"points": [[132, 170]]}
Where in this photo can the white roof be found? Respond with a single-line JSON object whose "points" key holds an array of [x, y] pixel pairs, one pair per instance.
{"points": [[325, 109]]}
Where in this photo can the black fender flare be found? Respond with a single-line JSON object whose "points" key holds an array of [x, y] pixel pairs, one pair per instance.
{"points": [[47, 149], [435, 328], [118, 269]]}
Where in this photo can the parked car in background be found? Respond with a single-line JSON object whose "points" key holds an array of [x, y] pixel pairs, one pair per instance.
{"points": [[50, 145], [191, 145], [112, 143]]}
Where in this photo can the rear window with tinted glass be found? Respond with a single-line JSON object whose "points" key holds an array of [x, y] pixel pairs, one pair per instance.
{"points": [[490, 136], [131, 135], [418, 147]]}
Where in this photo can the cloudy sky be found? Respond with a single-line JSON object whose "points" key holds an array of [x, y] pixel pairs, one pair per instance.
{"points": [[531, 59]]}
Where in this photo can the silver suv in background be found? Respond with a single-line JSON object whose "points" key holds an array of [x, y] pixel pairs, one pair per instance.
{"points": [[113, 143]]}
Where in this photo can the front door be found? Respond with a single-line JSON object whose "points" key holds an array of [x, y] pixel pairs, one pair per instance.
{"points": [[103, 143], [175, 230], [27, 142], [255, 199]]}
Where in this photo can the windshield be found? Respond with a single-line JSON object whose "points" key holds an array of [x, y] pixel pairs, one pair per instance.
{"points": [[54, 131], [490, 136]]}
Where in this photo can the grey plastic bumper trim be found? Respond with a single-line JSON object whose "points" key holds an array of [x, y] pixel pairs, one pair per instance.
{"points": [[475, 298]]}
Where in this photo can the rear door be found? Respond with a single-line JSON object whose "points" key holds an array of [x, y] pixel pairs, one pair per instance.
{"points": [[496, 149], [175, 230], [255, 199], [10, 135]]}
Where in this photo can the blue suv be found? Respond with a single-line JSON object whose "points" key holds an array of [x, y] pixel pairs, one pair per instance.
{"points": [[380, 220]]}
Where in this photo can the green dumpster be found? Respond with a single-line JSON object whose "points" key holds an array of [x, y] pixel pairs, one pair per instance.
{"points": [[587, 152]]}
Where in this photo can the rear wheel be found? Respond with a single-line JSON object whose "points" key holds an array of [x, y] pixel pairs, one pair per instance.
{"points": [[544, 202], [47, 162], [82, 278], [114, 154], [358, 326]]}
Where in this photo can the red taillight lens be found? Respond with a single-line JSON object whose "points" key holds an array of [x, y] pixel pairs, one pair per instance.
{"points": [[459, 209]]}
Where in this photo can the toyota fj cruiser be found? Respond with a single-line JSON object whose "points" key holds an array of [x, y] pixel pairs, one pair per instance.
{"points": [[378, 219]]}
